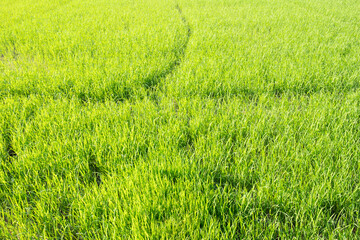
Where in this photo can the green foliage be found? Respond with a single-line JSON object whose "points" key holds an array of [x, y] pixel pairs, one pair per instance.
{"points": [[179, 120]]}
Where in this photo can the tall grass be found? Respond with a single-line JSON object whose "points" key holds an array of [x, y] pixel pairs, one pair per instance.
{"points": [[179, 120], [254, 47]]}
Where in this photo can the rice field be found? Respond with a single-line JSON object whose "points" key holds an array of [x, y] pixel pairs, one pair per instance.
{"points": [[158, 119]]}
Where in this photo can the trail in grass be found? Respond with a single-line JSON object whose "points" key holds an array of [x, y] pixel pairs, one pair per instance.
{"points": [[153, 80], [151, 83], [119, 81]]}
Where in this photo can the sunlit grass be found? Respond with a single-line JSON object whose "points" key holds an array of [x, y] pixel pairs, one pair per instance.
{"points": [[179, 120]]}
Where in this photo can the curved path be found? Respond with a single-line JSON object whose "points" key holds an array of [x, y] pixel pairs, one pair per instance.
{"points": [[152, 81]]}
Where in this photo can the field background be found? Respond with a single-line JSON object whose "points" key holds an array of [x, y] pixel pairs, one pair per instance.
{"points": [[158, 119]]}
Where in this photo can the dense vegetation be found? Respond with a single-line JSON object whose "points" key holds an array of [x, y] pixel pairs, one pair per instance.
{"points": [[201, 119]]}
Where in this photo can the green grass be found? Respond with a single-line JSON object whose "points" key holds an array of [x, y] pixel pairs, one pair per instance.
{"points": [[228, 119], [254, 47], [93, 50]]}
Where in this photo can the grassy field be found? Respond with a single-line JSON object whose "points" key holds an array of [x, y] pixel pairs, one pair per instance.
{"points": [[158, 119]]}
